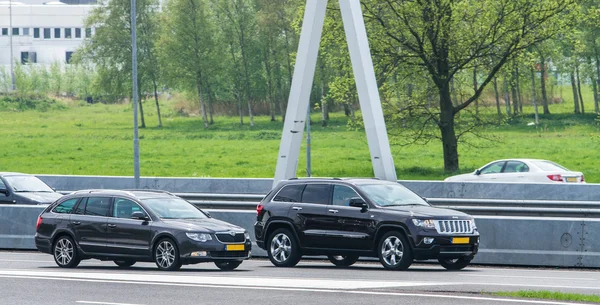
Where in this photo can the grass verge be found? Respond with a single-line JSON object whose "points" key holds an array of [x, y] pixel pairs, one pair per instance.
{"points": [[550, 295]]}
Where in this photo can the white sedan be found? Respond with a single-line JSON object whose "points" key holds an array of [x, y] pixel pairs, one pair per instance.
{"points": [[521, 170]]}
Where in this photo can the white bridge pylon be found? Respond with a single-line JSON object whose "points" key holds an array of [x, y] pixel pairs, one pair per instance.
{"points": [[366, 85]]}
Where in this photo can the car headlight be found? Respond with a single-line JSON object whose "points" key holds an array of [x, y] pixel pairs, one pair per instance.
{"points": [[473, 225], [424, 223], [201, 237], [246, 235]]}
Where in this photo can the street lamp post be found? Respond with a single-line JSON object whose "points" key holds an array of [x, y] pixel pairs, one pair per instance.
{"points": [[10, 35], [136, 141]]}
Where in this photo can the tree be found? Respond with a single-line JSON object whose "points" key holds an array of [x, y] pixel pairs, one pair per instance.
{"points": [[186, 47], [434, 36], [109, 49]]}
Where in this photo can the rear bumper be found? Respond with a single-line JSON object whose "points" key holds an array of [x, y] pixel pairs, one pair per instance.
{"points": [[43, 244]]}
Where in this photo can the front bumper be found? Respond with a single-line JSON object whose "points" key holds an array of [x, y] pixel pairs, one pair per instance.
{"points": [[196, 252], [443, 247]]}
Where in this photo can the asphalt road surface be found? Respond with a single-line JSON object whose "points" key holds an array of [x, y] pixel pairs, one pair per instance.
{"points": [[33, 278]]}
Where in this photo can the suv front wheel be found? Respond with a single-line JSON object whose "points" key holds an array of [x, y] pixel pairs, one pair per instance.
{"points": [[394, 251], [282, 248]]}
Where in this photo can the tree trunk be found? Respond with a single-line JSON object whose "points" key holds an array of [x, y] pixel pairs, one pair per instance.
{"points": [[575, 95], [595, 88], [519, 96], [269, 85], [579, 89], [454, 93], [543, 82], [141, 112], [157, 104], [446, 125], [597, 76], [324, 108], [210, 104], [497, 96], [475, 89], [279, 88], [506, 95], [533, 96], [515, 99], [201, 98]]}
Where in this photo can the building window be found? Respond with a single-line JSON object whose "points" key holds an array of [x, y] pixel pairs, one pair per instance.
{"points": [[4, 31], [47, 34], [15, 31], [36, 32], [57, 33], [28, 57], [25, 31], [68, 56], [88, 32], [78, 33], [68, 33]]}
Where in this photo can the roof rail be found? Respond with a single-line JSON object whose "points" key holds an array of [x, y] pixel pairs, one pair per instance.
{"points": [[100, 190], [150, 191], [315, 178]]}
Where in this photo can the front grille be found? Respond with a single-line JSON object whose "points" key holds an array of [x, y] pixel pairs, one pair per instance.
{"points": [[453, 226], [228, 238], [228, 254]]}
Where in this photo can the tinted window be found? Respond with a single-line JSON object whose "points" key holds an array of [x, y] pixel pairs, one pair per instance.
{"points": [[290, 193], [549, 166], [97, 206], [36, 33], [28, 184], [81, 207], [2, 185], [493, 168], [123, 208], [342, 195], [316, 193], [391, 195], [65, 207], [515, 167], [173, 208]]}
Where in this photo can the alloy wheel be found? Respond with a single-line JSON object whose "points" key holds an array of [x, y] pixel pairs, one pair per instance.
{"points": [[165, 254], [281, 248], [392, 250], [63, 251]]}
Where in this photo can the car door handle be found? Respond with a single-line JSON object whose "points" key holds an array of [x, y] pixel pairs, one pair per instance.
{"points": [[76, 223], [297, 208], [110, 225], [333, 211]]}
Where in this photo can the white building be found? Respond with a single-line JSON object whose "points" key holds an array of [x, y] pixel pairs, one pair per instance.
{"points": [[41, 33]]}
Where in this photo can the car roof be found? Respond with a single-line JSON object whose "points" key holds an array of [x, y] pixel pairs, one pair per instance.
{"points": [[139, 194], [355, 181], [13, 174]]}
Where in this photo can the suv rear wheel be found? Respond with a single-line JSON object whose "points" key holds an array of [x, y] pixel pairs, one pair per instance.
{"points": [[394, 251], [282, 248], [343, 260], [455, 264], [65, 252]]}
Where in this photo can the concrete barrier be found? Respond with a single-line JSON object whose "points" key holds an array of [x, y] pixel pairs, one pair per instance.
{"points": [[17, 226]]}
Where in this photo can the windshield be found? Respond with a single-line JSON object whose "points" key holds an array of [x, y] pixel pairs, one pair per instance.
{"points": [[391, 195], [173, 208], [27, 184]]}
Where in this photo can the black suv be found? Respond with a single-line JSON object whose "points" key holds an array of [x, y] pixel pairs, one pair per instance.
{"points": [[348, 218], [130, 226]]}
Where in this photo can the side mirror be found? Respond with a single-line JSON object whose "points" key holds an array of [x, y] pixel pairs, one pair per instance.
{"points": [[139, 215], [359, 203], [478, 172], [4, 191]]}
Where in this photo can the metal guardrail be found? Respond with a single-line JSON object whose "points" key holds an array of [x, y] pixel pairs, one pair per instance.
{"points": [[503, 207]]}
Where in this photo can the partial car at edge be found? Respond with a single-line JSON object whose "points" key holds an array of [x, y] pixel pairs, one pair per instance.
{"points": [[19, 188]]}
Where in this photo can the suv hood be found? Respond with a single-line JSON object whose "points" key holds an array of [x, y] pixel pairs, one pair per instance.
{"points": [[36, 197], [428, 211], [209, 225]]}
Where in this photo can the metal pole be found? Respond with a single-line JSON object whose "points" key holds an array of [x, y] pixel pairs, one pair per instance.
{"points": [[12, 59], [308, 171], [136, 141]]}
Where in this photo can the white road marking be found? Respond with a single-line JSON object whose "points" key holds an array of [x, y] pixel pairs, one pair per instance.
{"points": [[399, 294], [24, 260], [104, 303], [223, 280]]}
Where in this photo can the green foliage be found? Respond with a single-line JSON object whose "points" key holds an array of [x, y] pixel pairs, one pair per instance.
{"points": [[23, 102]]}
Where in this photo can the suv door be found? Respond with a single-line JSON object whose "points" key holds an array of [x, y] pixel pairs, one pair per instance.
{"points": [[89, 224], [126, 235], [348, 227], [309, 215]]}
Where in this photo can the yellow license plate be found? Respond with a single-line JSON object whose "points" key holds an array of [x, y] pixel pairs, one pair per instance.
{"points": [[571, 179], [460, 240], [235, 248]]}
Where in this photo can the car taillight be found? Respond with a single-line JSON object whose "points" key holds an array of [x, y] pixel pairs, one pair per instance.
{"points": [[555, 178], [39, 223], [582, 178], [259, 210]]}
